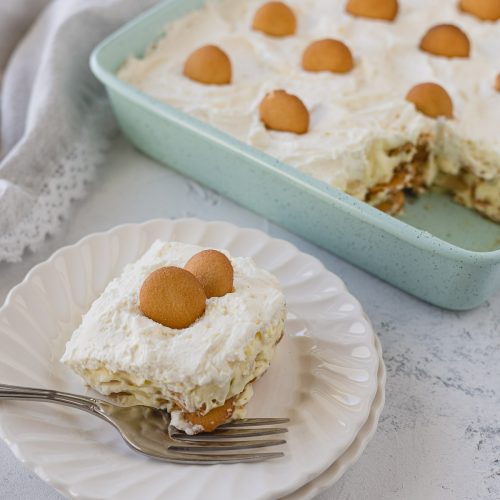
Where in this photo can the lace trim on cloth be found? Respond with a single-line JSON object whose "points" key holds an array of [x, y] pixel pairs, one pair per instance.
{"points": [[74, 168]]}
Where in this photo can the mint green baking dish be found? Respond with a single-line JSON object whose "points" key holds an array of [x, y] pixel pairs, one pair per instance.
{"points": [[444, 254]]}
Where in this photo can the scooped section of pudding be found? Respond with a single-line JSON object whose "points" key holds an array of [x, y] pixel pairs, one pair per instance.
{"points": [[201, 373]]}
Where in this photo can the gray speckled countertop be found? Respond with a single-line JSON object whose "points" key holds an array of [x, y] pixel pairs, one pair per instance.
{"points": [[439, 434]]}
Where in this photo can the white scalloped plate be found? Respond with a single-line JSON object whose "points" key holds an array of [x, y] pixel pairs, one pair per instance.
{"points": [[331, 475], [324, 375]]}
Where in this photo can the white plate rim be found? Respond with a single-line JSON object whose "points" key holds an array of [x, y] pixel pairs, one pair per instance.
{"points": [[331, 475]]}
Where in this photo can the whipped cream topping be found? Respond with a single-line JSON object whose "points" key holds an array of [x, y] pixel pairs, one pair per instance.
{"points": [[116, 348], [356, 118]]}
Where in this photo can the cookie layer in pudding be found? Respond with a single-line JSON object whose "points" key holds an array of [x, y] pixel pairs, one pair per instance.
{"points": [[431, 99], [446, 40], [385, 10], [275, 19], [209, 65], [327, 55], [123, 354], [284, 112], [486, 10], [213, 270], [172, 297], [362, 129]]}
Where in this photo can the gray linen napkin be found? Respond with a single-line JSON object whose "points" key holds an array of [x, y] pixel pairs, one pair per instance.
{"points": [[55, 121]]}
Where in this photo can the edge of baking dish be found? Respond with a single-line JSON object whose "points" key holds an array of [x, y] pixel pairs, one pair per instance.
{"points": [[457, 278]]}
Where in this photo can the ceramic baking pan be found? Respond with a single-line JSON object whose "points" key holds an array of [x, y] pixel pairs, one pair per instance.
{"points": [[438, 251]]}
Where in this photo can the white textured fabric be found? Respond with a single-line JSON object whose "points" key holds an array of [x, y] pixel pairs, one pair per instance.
{"points": [[55, 120]]}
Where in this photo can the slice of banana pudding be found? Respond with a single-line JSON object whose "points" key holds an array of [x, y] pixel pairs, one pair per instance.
{"points": [[185, 329]]}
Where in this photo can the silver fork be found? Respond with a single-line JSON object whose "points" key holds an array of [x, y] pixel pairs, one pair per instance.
{"points": [[148, 430]]}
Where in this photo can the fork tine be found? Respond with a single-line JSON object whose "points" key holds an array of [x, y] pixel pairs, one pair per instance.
{"points": [[251, 422], [209, 459], [202, 446], [227, 434]]}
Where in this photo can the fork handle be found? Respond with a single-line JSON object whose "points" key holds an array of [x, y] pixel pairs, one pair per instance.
{"points": [[12, 392]]}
